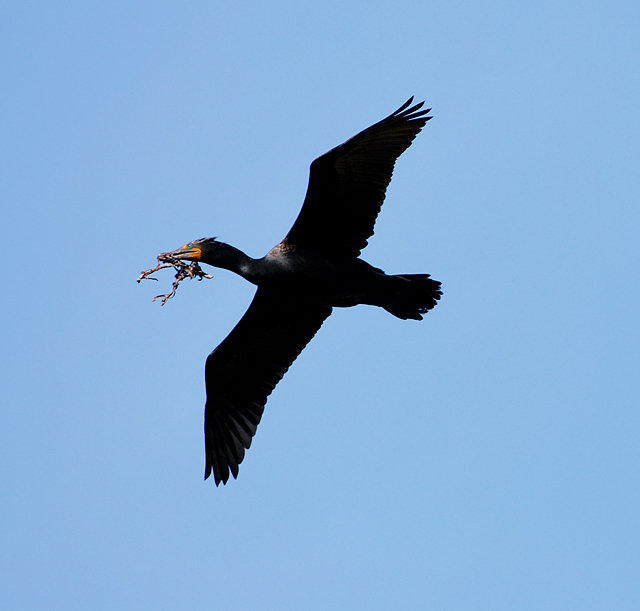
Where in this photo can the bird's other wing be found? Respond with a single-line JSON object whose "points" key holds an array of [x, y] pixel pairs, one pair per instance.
{"points": [[243, 370], [347, 185]]}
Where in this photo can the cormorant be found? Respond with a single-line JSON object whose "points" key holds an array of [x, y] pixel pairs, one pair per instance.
{"points": [[314, 269]]}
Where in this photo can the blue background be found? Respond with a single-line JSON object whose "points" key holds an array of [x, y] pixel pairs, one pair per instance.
{"points": [[486, 458]]}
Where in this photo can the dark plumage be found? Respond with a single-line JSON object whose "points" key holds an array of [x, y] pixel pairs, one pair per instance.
{"points": [[315, 268]]}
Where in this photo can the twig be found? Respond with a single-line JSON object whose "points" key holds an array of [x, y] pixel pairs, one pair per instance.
{"points": [[184, 269]]}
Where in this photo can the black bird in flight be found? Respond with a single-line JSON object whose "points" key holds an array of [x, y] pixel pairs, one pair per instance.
{"points": [[314, 269]]}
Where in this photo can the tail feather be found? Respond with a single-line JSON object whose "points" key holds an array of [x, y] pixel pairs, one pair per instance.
{"points": [[414, 295]]}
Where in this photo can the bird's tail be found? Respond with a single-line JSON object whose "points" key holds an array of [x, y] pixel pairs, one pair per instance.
{"points": [[414, 295]]}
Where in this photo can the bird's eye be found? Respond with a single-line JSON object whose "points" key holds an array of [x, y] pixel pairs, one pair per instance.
{"points": [[189, 245]]}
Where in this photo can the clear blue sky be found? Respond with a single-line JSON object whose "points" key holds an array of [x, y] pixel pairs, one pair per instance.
{"points": [[485, 458]]}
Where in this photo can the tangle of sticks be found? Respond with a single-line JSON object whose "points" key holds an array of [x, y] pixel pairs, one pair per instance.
{"points": [[184, 269]]}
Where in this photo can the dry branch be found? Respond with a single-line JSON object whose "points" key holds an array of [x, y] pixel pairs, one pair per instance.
{"points": [[184, 269]]}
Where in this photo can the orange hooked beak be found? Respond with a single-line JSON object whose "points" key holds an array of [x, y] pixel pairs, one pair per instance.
{"points": [[188, 252]]}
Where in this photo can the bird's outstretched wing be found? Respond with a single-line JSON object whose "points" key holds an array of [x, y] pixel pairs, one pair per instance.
{"points": [[347, 185], [243, 370]]}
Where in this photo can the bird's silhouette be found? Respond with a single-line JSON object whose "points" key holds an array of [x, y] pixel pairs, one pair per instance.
{"points": [[314, 269]]}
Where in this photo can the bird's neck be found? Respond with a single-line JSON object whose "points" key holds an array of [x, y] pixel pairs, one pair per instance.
{"points": [[233, 259]]}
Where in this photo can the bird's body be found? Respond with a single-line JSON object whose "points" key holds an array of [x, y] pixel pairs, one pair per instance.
{"points": [[314, 269], [332, 281]]}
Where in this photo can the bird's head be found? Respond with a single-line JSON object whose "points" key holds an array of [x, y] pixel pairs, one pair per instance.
{"points": [[198, 250]]}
